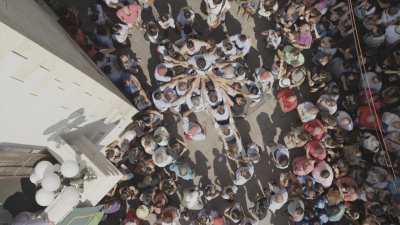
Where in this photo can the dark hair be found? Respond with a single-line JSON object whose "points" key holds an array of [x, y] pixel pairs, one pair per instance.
{"points": [[236, 214], [283, 160], [241, 70], [213, 96], [227, 45], [187, 13], [99, 57], [189, 43], [101, 30], [299, 210], [158, 95], [187, 29], [242, 37], [201, 62], [325, 173], [152, 29], [254, 90], [116, 27], [106, 69], [210, 85], [164, 18]]}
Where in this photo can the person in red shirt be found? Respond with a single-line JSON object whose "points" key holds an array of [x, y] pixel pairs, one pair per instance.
{"points": [[287, 99], [130, 14], [315, 128], [315, 150], [366, 118]]}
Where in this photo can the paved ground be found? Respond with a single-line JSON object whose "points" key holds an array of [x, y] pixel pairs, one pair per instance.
{"points": [[264, 125]]}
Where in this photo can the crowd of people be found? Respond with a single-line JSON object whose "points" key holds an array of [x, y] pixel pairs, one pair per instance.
{"points": [[335, 62]]}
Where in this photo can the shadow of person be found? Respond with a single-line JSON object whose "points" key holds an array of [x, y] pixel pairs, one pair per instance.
{"points": [[267, 129], [23, 201], [200, 26], [267, 54], [280, 216], [233, 26], [243, 127], [152, 62], [176, 6], [201, 168], [221, 171], [285, 120], [252, 60]]}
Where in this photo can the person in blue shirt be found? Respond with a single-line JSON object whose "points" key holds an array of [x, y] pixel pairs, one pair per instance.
{"points": [[182, 170]]}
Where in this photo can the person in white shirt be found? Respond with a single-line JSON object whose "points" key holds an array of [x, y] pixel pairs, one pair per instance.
{"points": [[202, 63], [227, 48], [185, 17], [195, 103], [221, 114], [216, 10], [163, 72], [392, 34], [192, 199], [390, 16], [192, 47], [252, 153], [166, 22], [279, 197], [328, 103], [265, 79], [120, 33], [323, 174], [160, 102], [390, 122], [243, 174], [161, 158], [213, 97], [242, 44], [307, 111], [344, 121], [280, 155], [112, 3], [267, 8], [192, 130]]}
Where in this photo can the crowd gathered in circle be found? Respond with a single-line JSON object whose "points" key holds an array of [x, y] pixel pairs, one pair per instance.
{"points": [[335, 62]]}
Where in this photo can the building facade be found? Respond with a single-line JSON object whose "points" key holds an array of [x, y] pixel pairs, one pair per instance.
{"points": [[53, 96]]}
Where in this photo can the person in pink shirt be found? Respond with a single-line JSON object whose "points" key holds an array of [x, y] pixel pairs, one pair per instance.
{"points": [[315, 150], [302, 166], [130, 14], [323, 174]]}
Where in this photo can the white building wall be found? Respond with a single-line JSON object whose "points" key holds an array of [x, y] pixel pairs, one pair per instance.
{"points": [[43, 97]]}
